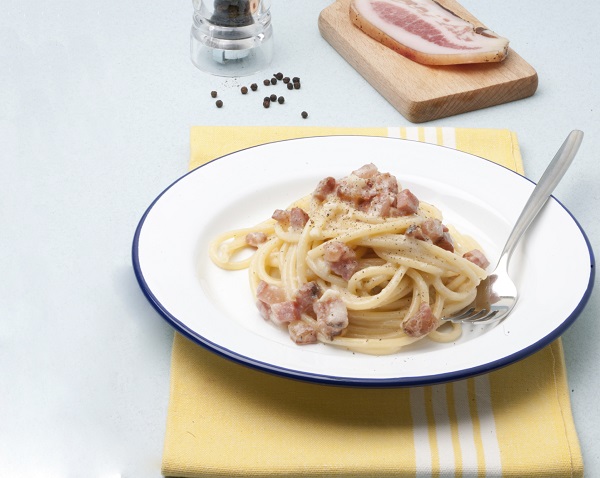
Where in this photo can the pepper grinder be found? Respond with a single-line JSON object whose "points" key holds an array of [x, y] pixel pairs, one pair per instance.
{"points": [[231, 37]]}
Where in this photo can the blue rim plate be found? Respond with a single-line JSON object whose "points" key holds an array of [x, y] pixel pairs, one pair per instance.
{"points": [[553, 266]]}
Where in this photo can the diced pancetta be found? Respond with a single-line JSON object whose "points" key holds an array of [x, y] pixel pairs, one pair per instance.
{"points": [[340, 258], [332, 314], [256, 238], [283, 313], [302, 333], [421, 323], [432, 230], [282, 217], [406, 203], [324, 188], [366, 171], [298, 218], [477, 257], [306, 296], [269, 293]]}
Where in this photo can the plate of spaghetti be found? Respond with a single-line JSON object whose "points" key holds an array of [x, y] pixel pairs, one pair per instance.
{"points": [[332, 260]]}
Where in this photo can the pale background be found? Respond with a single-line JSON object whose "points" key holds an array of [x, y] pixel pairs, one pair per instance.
{"points": [[96, 102]]}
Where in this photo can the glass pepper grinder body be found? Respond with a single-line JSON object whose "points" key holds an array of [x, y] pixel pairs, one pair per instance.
{"points": [[231, 37]]}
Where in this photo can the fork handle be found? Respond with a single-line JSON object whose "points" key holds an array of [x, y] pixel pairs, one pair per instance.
{"points": [[542, 191]]}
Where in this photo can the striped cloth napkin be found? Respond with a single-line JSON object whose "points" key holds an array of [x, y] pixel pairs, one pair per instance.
{"points": [[228, 420]]}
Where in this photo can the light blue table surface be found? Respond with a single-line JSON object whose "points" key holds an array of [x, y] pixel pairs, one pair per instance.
{"points": [[96, 103]]}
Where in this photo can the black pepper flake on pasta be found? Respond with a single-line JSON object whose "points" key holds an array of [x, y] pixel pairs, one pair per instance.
{"points": [[273, 97], [281, 100], [304, 114], [219, 103], [213, 94], [254, 87], [244, 90]]}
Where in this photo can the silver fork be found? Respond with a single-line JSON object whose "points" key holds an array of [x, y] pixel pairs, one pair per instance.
{"points": [[497, 295]]}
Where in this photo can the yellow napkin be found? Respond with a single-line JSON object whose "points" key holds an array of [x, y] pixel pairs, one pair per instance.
{"points": [[228, 420]]}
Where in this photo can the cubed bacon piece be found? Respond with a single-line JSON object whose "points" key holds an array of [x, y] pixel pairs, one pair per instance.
{"points": [[340, 258], [269, 293], [433, 229], [386, 183], [298, 218], [307, 295], [366, 171], [264, 309], [406, 203], [445, 242], [354, 189], [256, 238], [477, 257], [282, 217], [381, 205], [302, 333], [283, 313], [324, 188], [332, 314], [415, 231], [421, 323]]}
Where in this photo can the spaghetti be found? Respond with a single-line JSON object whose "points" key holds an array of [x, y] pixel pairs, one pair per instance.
{"points": [[360, 263]]}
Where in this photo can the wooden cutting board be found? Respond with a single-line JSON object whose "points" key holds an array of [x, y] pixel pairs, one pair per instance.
{"points": [[420, 92]]}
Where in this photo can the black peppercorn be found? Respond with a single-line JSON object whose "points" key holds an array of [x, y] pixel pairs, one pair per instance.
{"points": [[213, 94], [290, 86], [266, 82], [273, 97], [244, 90], [273, 81], [219, 103], [279, 76], [295, 79], [281, 100], [266, 103], [254, 86], [296, 85], [304, 114], [286, 80]]}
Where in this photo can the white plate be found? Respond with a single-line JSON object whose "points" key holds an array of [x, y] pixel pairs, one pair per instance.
{"points": [[553, 267]]}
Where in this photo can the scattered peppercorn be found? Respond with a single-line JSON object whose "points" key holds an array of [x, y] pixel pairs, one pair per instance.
{"points": [[254, 86], [281, 100], [213, 94], [296, 85], [304, 114], [286, 80], [266, 82], [273, 81], [290, 86], [279, 76], [273, 97], [266, 103], [244, 90], [295, 79], [219, 103]]}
